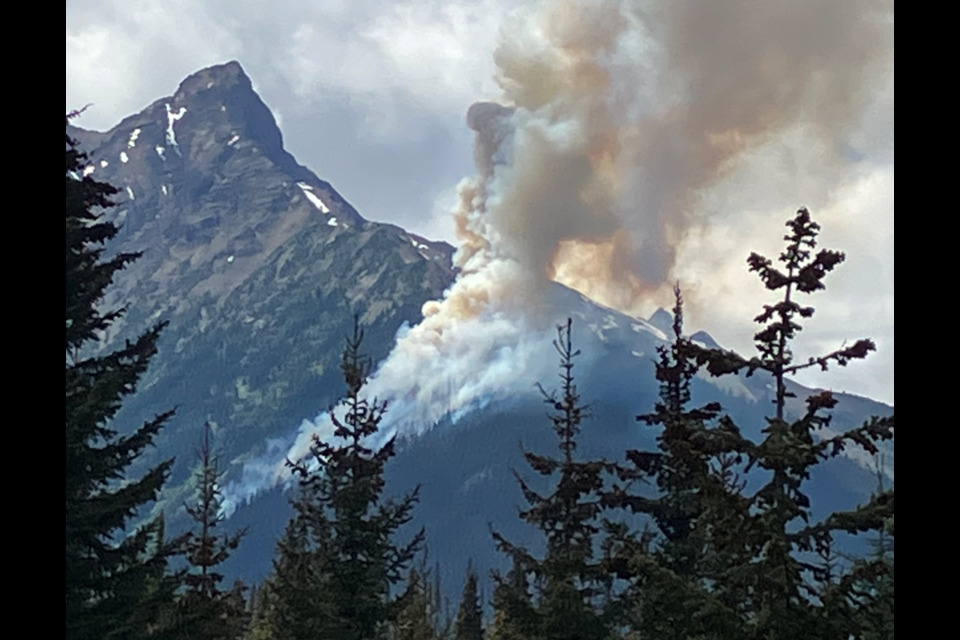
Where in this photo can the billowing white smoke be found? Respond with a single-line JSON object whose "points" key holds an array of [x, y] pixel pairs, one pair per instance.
{"points": [[615, 117]]}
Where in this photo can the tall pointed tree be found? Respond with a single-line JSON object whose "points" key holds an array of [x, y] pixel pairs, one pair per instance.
{"points": [[115, 582], [338, 562], [205, 610], [730, 550], [514, 615], [569, 581], [422, 614], [469, 624], [669, 570]]}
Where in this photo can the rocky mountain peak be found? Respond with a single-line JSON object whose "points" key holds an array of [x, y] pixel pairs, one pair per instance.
{"points": [[220, 77], [218, 105], [663, 320], [210, 197]]}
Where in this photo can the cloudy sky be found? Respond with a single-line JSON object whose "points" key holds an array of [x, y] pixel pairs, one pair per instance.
{"points": [[372, 96]]}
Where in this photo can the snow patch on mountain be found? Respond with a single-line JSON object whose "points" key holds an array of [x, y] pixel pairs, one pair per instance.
{"points": [[172, 118], [315, 199]]}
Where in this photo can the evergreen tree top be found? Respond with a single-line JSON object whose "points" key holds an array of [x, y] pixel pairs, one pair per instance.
{"points": [[569, 579], [338, 561], [743, 560]]}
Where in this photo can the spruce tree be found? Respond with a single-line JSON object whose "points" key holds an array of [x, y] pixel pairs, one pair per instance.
{"points": [[421, 611], [668, 571], [569, 581], [514, 616], [338, 562], [262, 612], [872, 581], [469, 625], [752, 551], [206, 611], [116, 580]]}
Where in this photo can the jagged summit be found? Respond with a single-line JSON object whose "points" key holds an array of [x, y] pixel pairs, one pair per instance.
{"points": [[211, 197], [219, 76], [224, 98], [663, 320]]}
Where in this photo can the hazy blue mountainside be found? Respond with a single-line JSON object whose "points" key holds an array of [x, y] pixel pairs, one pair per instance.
{"points": [[259, 266]]}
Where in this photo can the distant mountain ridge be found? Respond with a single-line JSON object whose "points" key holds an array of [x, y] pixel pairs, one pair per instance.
{"points": [[259, 266]]}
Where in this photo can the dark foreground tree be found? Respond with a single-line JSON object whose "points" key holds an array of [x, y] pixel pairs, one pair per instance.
{"points": [[569, 582], [422, 614], [513, 610], [469, 624], [874, 595], [745, 563], [115, 578], [338, 562], [667, 564], [205, 610]]}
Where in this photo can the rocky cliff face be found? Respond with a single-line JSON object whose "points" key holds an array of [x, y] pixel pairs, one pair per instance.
{"points": [[257, 264]]}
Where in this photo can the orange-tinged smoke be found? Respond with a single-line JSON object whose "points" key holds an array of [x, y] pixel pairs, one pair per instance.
{"points": [[615, 118], [622, 115]]}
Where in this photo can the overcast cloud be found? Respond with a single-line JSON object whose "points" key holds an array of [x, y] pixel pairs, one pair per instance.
{"points": [[372, 96]]}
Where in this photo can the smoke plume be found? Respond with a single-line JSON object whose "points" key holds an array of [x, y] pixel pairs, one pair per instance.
{"points": [[615, 118]]}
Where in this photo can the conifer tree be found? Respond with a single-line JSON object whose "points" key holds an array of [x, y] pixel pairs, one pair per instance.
{"points": [[514, 616], [469, 624], [569, 580], [338, 562], [669, 578], [116, 579], [750, 550], [262, 613], [874, 591], [205, 611], [421, 615]]}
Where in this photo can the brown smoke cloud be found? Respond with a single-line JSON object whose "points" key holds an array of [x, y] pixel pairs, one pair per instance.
{"points": [[620, 115]]}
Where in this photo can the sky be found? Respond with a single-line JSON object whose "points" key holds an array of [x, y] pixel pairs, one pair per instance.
{"points": [[372, 95]]}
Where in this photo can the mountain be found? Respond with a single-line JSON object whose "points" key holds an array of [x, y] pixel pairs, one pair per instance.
{"points": [[259, 266]]}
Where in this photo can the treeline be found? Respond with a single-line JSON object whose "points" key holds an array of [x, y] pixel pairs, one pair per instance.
{"points": [[713, 559]]}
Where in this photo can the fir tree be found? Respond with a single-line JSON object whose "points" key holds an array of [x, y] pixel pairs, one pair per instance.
{"points": [[750, 549], [262, 614], [338, 562], [668, 571], [469, 625], [873, 593], [116, 580], [569, 581], [422, 614], [514, 615], [205, 611]]}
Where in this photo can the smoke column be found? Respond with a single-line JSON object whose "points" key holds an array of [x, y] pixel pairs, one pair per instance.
{"points": [[614, 118]]}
